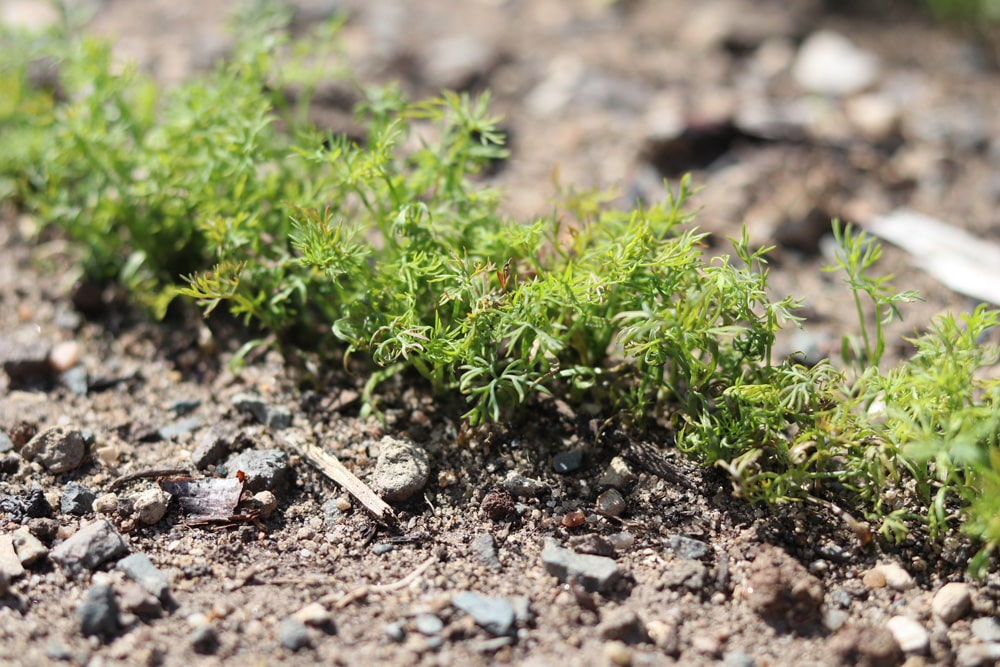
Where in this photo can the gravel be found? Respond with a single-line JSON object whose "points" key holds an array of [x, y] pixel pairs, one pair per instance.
{"points": [[141, 570], [495, 615], [97, 613]]}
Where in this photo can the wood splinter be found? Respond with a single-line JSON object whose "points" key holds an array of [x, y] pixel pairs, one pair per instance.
{"points": [[330, 465]]}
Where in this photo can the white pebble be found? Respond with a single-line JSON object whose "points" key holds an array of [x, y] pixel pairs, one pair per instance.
{"points": [[151, 505], [64, 355], [909, 634], [952, 602]]}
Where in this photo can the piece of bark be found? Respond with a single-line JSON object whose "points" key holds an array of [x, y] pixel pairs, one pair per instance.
{"points": [[331, 466]]}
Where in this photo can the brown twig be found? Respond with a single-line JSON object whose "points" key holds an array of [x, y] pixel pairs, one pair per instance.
{"points": [[331, 466], [145, 474]]}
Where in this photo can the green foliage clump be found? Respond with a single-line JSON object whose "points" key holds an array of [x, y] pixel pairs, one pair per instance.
{"points": [[393, 249]]}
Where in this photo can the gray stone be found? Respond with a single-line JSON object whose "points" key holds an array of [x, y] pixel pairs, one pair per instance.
{"points": [[829, 64], [76, 380], [952, 602], [213, 444], [591, 543], [89, 547], [484, 549], [401, 470], [617, 475], [265, 469], [332, 514], [567, 462], [686, 547], [137, 600], [278, 417], [180, 428], [610, 503], [76, 499], [5, 444], [427, 624], [623, 625], [251, 404], [28, 547], [689, 574], [203, 640], [58, 449], [595, 573], [293, 634], [25, 358], [98, 612], [141, 570], [395, 631], [524, 487], [495, 615], [909, 634], [986, 628]]}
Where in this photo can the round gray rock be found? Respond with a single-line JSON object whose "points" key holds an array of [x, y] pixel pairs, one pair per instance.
{"points": [[402, 469], [59, 449]]}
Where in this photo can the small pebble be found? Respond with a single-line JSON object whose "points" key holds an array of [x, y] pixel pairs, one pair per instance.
{"points": [[401, 470], [395, 631], [617, 475], [151, 505], [106, 503], [64, 356], [293, 634], [523, 487], [28, 547], [76, 499], [58, 449], [140, 569], [567, 462], [909, 634], [891, 574], [610, 503], [986, 628], [97, 613], [203, 640], [427, 624], [313, 614], [268, 503], [618, 653], [952, 602]]}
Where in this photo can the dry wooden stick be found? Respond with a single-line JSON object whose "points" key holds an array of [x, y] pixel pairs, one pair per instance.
{"points": [[330, 465]]}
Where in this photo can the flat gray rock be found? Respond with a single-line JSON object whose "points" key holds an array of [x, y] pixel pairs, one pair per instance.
{"points": [[266, 469], [495, 615], [595, 573], [141, 570], [402, 469], [89, 547], [98, 612]]}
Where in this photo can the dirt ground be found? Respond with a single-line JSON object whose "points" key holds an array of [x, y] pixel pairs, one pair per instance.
{"points": [[606, 94]]}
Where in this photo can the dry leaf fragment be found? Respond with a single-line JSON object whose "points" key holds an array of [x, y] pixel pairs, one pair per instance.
{"points": [[209, 499]]}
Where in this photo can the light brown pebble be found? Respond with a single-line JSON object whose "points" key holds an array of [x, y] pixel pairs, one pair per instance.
{"points": [[873, 579], [618, 653], [106, 504], [952, 602], [64, 356], [268, 503]]}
